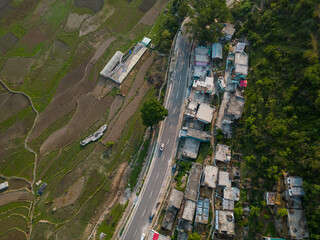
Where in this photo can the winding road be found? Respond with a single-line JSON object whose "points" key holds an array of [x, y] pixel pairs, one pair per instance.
{"points": [[161, 163]]}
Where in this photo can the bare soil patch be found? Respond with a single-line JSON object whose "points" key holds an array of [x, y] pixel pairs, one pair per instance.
{"points": [[7, 41], [15, 184], [115, 106], [84, 105], [150, 17], [94, 5], [4, 7], [36, 35], [4, 96], [47, 118], [73, 130], [16, 130], [94, 22], [103, 87], [16, 69], [72, 78], [74, 21], [71, 195], [15, 196]]}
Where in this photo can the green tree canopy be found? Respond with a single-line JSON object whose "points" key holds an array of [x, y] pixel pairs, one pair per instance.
{"points": [[206, 19], [153, 112], [194, 236]]}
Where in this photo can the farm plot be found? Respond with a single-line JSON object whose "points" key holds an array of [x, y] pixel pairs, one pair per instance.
{"points": [[15, 70]]}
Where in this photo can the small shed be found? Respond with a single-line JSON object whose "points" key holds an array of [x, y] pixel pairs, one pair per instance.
{"points": [[210, 175], [175, 199], [217, 51], [42, 188], [146, 41], [4, 186], [189, 210], [223, 179]]}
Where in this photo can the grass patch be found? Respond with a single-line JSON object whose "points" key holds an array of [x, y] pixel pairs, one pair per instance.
{"points": [[17, 211], [271, 230], [109, 225], [205, 150], [183, 167], [138, 164], [14, 205], [58, 12], [14, 221], [4, 125], [18, 31]]}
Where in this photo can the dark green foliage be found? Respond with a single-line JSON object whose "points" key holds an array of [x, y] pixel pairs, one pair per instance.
{"points": [[173, 18], [152, 112], [280, 128], [206, 19]]}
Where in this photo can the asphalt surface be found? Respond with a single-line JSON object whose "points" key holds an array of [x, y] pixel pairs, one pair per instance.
{"points": [[139, 222]]}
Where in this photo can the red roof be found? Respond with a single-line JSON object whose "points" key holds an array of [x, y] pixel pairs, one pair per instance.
{"points": [[155, 236], [243, 83]]}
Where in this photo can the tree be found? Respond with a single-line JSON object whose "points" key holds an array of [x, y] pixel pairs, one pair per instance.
{"points": [[206, 19], [194, 236], [282, 212], [152, 112]]}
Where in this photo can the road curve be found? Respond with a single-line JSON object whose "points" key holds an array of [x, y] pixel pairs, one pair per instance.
{"points": [[139, 222]]}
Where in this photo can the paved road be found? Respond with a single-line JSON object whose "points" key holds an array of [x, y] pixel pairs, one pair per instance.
{"points": [[140, 221]]}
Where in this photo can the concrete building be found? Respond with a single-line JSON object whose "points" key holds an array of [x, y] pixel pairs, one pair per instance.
{"points": [[202, 56], [205, 113], [210, 176], [294, 186], [113, 62], [195, 134], [224, 179], [241, 65], [235, 106], [223, 153], [190, 148], [193, 185], [188, 211], [224, 222], [202, 212], [227, 204], [175, 199], [168, 221], [240, 47], [228, 31], [217, 51], [122, 70], [191, 109], [231, 193], [297, 224], [206, 86], [4, 186]]}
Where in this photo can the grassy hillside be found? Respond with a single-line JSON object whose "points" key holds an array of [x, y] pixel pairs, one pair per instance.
{"points": [[281, 125]]}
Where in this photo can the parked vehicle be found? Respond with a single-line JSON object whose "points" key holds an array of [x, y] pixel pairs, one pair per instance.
{"points": [[151, 217], [142, 236], [174, 167]]}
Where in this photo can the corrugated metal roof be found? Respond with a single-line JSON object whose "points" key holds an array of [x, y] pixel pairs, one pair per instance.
{"points": [[217, 50]]}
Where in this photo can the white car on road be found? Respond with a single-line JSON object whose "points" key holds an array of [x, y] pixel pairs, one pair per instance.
{"points": [[161, 147]]}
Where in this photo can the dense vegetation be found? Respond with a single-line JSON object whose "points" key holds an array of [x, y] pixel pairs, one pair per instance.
{"points": [[280, 129]]}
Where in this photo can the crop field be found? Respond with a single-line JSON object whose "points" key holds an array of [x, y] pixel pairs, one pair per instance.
{"points": [[52, 97]]}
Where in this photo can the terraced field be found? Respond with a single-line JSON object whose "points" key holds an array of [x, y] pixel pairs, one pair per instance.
{"points": [[51, 97]]}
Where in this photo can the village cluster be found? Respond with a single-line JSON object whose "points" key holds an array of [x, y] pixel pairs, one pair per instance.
{"points": [[206, 201]]}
